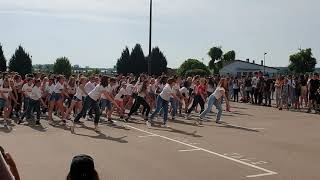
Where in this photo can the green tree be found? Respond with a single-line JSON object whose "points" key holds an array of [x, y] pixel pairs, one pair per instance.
{"points": [[20, 62], [137, 63], [158, 62], [192, 64], [62, 66], [123, 62], [3, 61], [302, 62], [229, 56], [215, 54]]}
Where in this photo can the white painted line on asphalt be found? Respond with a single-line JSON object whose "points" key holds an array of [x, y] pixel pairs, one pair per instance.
{"points": [[259, 175], [194, 143], [151, 135], [189, 150], [267, 172]]}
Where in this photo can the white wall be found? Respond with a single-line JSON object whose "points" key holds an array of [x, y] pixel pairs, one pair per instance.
{"points": [[239, 66]]}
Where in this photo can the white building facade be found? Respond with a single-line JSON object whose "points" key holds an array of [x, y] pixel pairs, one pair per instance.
{"points": [[243, 68]]}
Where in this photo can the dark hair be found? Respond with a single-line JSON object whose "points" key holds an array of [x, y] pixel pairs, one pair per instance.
{"points": [[82, 168], [171, 80], [104, 81], [36, 81], [144, 86]]}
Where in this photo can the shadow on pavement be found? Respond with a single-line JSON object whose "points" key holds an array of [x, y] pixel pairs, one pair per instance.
{"points": [[157, 127], [226, 125]]}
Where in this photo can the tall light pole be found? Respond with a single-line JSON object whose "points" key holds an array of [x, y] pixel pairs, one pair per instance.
{"points": [[150, 38], [264, 63]]}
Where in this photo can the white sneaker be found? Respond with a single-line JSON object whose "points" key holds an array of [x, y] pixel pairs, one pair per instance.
{"points": [[72, 128], [96, 129], [188, 116], [148, 124], [165, 126]]}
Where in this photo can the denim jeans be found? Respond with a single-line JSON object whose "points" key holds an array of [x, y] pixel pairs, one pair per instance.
{"points": [[213, 101], [33, 106], [161, 104], [25, 103], [174, 104], [89, 103]]}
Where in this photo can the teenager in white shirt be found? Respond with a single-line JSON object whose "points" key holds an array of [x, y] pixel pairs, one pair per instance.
{"points": [[57, 97], [142, 91], [119, 99], [34, 103], [18, 90], [216, 100], [105, 103], [162, 103], [77, 98], [27, 89], [5, 99], [92, 101]]}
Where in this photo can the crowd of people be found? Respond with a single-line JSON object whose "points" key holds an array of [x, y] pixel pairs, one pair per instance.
{"points": [[80, 97], [297, 92]]}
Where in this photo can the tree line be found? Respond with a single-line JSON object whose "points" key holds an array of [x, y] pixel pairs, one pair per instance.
{"points": [[299, 63], [21, 62], [136, 62]]}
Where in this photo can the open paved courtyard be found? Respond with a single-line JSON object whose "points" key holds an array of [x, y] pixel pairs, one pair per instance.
{"points": [[254, 143]]}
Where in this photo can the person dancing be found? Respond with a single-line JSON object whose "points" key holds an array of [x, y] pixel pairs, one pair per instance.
{"points": [[92, 101], [141, 100], [163, 101], [216, 100]]}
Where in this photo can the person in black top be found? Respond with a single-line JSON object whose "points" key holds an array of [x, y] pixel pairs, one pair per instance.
{"points": [[267, 90], [259, 90], [248, 89], [314, 84], [304, 90]]}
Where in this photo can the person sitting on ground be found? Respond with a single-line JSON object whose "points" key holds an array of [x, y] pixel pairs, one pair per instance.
{"points": [[82, 168]]}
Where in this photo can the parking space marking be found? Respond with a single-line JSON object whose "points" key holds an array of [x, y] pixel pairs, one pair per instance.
{"points": [[266, 171], [189, 150], [151, 135]]}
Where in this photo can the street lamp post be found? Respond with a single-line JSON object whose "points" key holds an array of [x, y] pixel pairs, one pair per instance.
{"points": [[150, 38], [264, 63]]}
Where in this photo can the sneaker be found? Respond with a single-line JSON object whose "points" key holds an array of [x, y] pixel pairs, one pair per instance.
{"points": [[38, 122], [165, 126], [64, 121], [96, 129], [218, 122], [188, 116], [173, 118], [72, 129], [127, 119], [78, 122], [20, 121], [110, 121], [148, 124], [309, 111]]}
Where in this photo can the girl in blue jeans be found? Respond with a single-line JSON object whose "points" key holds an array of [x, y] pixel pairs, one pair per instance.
{"points": [[162, 103], [92, 102], [216, 100]]}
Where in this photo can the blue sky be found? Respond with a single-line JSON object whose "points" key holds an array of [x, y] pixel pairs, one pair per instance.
{"points": [[94, 32]]}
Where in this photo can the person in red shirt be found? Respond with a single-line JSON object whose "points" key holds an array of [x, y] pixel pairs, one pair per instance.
{"points": [[199, 98]]}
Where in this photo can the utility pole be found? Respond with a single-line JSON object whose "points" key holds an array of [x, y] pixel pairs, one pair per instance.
{"points": [[264, 63], [150, 39]]}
